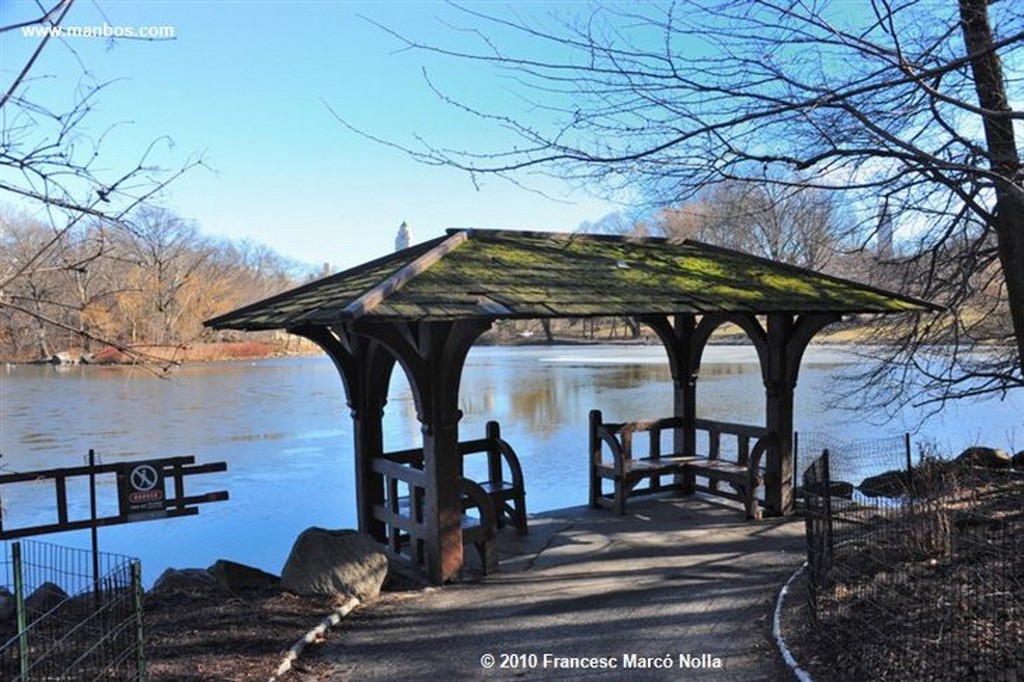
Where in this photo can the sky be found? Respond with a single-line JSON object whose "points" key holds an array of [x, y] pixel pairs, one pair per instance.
{"points": [[249, 87]]}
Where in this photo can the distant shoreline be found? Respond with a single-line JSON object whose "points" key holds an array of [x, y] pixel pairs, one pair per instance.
{"points": [[843, 336]]}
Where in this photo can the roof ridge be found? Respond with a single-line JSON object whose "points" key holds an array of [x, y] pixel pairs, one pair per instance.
{"points": [[313, 285], [373, 297], [485, 232]]}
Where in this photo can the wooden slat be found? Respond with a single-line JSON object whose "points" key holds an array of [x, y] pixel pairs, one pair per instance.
{"points": [[98, 523], [69, 472], [401, 472]]}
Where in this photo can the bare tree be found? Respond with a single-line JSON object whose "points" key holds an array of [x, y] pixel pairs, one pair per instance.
{"points": [[168, 253], [794, 225], [48, 168], [903, 106], [151, 283]]}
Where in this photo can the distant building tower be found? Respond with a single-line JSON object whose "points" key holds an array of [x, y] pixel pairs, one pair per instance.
{"points": [[404, 237], [885, 233]]}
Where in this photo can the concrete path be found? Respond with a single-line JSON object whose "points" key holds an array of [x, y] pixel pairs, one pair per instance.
{"points": [[682, 584]]}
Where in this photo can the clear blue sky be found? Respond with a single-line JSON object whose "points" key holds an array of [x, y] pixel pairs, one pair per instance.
{"points": [[245, 84]]}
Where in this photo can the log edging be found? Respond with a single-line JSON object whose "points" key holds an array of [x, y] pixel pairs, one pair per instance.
{"points": [[780, 641], [313, 635]]}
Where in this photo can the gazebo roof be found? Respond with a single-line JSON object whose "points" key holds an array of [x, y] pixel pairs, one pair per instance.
{"points": [[496, 274]]}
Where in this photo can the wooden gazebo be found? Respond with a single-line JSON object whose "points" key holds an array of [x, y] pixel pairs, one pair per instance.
{"points": [[426, 305]]}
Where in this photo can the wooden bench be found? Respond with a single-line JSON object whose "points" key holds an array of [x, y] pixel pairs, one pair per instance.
{"points": [[612, 458], [487, 504], [403, 513]]}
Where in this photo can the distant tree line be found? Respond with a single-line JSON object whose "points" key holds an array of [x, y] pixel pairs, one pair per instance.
{"points": [[150, 280]]}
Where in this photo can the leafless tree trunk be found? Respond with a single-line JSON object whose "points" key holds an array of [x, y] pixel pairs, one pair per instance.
{"points": [[1007, 217]]}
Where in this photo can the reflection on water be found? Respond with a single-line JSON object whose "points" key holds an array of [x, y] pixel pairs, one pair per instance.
{"points": [[284, 429]]}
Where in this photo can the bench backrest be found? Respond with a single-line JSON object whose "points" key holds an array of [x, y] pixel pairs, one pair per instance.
{"points": [[502, 461], [654, 438]]}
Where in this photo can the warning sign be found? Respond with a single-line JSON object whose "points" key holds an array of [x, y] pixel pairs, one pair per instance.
{"points": [[141, 488]]}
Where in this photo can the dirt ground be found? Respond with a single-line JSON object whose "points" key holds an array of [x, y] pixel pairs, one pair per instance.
{"points": [[225, 636], [212, 634]]}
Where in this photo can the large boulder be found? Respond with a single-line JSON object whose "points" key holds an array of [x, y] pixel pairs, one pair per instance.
{"points": [[991, 458], [192, 581], [1018, 461], [335, 563], [889, 484], [835, 489], [235, 576]]}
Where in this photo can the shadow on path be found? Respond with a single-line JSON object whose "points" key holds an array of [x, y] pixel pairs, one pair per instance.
{"points": [[685, 582]]}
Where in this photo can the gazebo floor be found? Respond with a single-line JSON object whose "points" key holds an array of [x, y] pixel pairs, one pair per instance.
{"points": [[675, 577]]}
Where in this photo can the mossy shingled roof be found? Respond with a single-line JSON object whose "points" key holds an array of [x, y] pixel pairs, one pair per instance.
{"points": [[495, 274]]}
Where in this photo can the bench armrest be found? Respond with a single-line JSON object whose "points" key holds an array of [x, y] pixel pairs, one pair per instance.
{"points": [[601, 434], [412, 457], [512, 461], [476, 497], [758, 452]]}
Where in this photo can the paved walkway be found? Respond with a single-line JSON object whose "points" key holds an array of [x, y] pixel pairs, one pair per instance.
{"points": [[676, 582]]}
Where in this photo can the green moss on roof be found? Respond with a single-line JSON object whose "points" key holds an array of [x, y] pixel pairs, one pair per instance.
{"points": [[504, 274]]}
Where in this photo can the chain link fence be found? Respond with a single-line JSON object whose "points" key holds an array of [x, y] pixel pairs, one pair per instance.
{"points": [[914, 572], [67, 615]]}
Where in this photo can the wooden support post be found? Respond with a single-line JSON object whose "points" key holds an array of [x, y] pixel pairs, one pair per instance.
{"points": [[685, 397], [786, 340], [365, 367], [433, 355], [368, 434], [779, 392], [444, 501]]}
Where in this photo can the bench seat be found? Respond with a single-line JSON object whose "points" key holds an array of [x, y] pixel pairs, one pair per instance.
{"points": [[655, 466], [716, 468]]}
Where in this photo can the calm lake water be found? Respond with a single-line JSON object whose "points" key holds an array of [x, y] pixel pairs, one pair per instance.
{"points": [[285, 432]]}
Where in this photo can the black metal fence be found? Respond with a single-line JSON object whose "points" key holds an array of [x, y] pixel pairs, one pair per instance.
{"points": [[61, 619], [914, 574]]}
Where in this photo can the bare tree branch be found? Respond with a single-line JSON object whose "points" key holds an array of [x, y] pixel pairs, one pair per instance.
{"points": [[900, 106]]}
